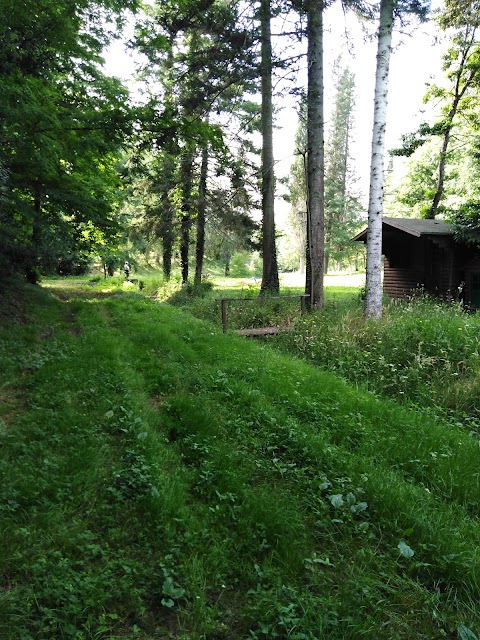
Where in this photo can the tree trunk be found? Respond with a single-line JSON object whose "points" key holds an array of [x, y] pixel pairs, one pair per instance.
{"points": [[37, 220], [459, 93], [168, 176], [301, 266], [186, 223], [373, 300], [270, 282], [202, 203], [167, 216], [432, 214], [315, 159]]}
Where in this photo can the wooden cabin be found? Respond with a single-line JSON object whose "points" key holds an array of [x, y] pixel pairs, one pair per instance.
{"points": [[424, 254]]}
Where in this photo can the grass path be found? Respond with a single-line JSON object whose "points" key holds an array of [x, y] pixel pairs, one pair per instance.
{"points": [[168, 481]]}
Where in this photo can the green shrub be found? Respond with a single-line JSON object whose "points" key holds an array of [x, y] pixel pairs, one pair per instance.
{"points": [[33, 275], [239, 265], [190, 291]]}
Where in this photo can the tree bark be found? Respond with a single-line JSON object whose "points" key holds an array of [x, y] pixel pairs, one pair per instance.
{"points": [[459, 93], [37, 220], [201, 214], [373, 300], [186, 223], [168, 177], [270, 282], [315, 159], [166, 226]]}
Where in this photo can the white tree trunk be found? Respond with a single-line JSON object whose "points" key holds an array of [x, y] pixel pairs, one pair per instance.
{"points": [[373, 301], [315, 158]]}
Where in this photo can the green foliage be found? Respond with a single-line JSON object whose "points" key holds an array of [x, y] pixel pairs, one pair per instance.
{"points": [[202, 56], [62, 124], [239, 265], [189, 292], [454, 131], [342, 206], [423, 352], [414, 195], [466, 221], [412, 141]]}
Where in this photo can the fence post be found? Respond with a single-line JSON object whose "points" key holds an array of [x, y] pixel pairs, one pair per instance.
{"points": [[303, 307], [223, 302]]}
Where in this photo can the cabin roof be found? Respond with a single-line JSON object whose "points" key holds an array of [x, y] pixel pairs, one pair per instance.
{"points": [[413, 227]]}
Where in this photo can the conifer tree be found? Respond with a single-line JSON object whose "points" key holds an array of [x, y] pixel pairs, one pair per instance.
{"points": [[210, 63], [341, 206], [297, 189]]}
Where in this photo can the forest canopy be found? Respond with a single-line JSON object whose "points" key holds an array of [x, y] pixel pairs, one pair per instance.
{"points": [[87, 174]]}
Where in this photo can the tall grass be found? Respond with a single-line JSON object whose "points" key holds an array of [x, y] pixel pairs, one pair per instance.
{"points": [[421, 352]]}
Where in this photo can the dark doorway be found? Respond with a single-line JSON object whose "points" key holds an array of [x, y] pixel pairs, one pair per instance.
{"points": [[475, 290]]}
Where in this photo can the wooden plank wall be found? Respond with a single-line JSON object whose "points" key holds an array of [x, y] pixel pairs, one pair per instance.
{"points": [[400, 282]]}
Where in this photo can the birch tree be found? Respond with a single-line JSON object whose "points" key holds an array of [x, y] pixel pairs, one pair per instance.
{"points": [[388, 8]]}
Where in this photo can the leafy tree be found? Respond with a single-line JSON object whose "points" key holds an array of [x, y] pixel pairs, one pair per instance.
{"points": [[413, 193], [62, 122], [462, 70], [466, 221]]}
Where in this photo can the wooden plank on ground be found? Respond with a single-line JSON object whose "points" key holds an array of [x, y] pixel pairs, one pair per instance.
{"points": [[264, 331]]}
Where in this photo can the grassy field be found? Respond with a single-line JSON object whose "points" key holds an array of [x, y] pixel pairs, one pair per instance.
{"points": [[162, 479], [422, 353]]}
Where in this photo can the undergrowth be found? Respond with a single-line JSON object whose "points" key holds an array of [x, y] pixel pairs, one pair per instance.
{"points": [[422, 352]]}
